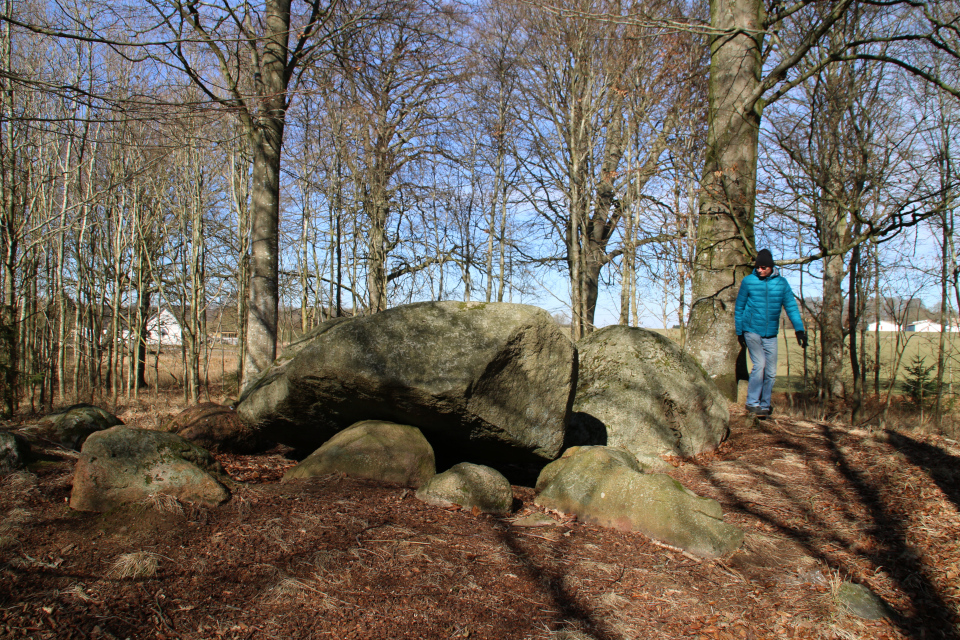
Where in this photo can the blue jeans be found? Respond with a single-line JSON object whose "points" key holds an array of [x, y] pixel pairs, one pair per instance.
{"points": [[763, 355]]}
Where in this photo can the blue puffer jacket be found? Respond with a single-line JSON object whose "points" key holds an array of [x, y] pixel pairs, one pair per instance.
{"points": [[758, 305]]}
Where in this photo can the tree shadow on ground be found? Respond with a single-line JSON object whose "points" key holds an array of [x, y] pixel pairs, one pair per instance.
{"points": [[571, 612], [840, 520], [943, 468]]}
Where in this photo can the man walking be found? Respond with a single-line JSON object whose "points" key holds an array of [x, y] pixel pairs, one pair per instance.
{"points": [[757, 315]]}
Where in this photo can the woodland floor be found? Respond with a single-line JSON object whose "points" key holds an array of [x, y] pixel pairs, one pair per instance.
{"points": [[343, 558]]}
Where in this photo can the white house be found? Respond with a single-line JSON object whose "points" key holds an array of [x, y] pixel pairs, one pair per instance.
{"points": [[164, 329], [883, 325], [925, 326]]}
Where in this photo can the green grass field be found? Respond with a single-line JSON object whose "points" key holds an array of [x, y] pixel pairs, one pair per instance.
{"points": [[790, 366]]}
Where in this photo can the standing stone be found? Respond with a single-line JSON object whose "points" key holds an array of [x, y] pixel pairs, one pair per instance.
{"points": [[638, 390]]}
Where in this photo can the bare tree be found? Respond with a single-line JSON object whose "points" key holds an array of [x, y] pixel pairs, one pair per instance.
{"points": [[835, 146], [11, 205], [751, 67], [941, 137], [258, 92], [394, 75], [492, 134], [599, 92]]}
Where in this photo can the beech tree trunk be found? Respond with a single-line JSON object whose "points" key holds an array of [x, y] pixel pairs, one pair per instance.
{"points": [[831, 335], [377, 208], [855, 313], [266, 140], [263, 297], [725, 236]]}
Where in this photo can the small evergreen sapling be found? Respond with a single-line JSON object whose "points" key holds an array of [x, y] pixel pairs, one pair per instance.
{"points": [[919, 383]]}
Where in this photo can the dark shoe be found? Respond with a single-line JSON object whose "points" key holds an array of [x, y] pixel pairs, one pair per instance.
{"points": [[763, 412], [753, 409]]}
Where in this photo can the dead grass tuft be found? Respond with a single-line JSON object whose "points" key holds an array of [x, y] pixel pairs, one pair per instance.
{"points": [[273, 532], [136, 565], [11, 524], [164, 503], [410, 551], [79, 592], [285, 588], [564, 634], [17, 486], [613, 602], [14, 519], [330, 561], [289, 588]]}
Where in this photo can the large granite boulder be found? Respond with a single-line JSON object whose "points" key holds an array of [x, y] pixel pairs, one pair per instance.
{"points": [[122, 465], [639, 391], [469, 485], [600, 486], [71, 426], [215, 428], [494, 379], [372, 449]]}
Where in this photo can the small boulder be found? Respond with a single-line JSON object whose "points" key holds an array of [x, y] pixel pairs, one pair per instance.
{"points": [[469, 485], [372, 449], [861, 601], [71, 426], [215, 428], [496, 379], [597, 485], [121, 465], [639, 390], [616, 455], [13, 452]]}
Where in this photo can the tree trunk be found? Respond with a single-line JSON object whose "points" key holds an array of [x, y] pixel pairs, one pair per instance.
{"points": [[832, 323], [267, 140], [946, 232], [140, 336], [305, 253], [115, 343], [877, 311], [8, 359], [725, 240], [192, 317], [8, 312], [240, 192], [263, 299], [627, 269], [8, 235], [377, 212], [854, 314]]}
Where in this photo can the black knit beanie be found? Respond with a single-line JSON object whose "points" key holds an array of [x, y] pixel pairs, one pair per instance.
{"points": [[764, 258]]}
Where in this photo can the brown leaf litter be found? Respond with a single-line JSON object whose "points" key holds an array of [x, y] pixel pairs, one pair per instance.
{"points": [[336, 557]]}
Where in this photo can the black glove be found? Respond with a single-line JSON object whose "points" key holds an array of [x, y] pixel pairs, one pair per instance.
{"points": [[802, 339], [741, 340]]}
